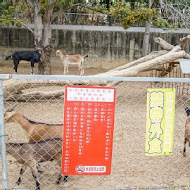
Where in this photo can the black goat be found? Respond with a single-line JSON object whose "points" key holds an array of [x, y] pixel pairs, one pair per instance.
{"points": [[32, 56]]}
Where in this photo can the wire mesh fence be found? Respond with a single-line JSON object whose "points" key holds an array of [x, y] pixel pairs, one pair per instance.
{"points": [[84, 19], [175, 72], [33, 103]]}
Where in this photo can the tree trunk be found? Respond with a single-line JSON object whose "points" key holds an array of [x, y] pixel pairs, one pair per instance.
{"points": [[47, 33], [42, 35], [146, 39], [175, 53], [38, 26], [146, 35], [38, 33]]}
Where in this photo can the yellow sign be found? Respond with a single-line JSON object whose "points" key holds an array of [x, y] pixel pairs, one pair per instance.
{"points": [[160, 121]]}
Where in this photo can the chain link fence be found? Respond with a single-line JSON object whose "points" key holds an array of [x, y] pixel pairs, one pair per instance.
{"points": [[85, 19], [31, 100], [168, 71]]}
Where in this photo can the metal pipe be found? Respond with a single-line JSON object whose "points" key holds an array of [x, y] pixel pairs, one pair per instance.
{"points": [[2, 140]]}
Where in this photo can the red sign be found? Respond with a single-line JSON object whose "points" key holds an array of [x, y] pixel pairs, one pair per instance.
{"points": [[88, 130]]}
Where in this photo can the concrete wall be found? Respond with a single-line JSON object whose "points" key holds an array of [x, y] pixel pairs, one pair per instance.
{"points": [[107, 47]]}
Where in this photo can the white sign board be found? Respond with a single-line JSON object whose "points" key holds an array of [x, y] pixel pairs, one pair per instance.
{"points": [[185, 65]]}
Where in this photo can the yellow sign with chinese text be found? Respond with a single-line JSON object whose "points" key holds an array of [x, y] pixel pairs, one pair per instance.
{"points": [[160, 121]]}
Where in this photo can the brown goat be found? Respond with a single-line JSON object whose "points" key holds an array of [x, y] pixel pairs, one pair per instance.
{"points": [[187, 134], [73, 60], [30, 154], [35, 131]]}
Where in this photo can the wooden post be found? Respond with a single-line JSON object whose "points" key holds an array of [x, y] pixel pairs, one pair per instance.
{"points": [[131, 49]]}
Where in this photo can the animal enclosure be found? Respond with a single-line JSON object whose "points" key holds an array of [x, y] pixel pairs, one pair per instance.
{"points": [[41, 99]]}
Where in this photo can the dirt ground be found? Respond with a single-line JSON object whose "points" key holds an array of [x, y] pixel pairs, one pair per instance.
{"points": [[6, 67], [130, 167]]}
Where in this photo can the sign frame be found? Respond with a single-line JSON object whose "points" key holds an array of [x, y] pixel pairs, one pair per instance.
{"points": [[89, 114]]}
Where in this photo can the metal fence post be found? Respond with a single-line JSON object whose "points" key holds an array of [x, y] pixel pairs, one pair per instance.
{"points": [[2, 140]]}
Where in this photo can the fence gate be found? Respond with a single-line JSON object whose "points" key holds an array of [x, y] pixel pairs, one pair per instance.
{"points": [[40, 99]]}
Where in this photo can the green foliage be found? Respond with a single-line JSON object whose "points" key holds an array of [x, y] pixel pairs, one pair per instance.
{"points": [[129, 17], [13, 15], [65, 4], [98, 6], [7, 15], [163, 23], [126, 14], [3, 7]]}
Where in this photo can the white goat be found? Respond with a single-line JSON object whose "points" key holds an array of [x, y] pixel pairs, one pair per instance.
{"points": [[72, 60]]}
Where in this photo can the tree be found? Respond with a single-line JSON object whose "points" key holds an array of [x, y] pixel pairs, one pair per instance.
{"points": [[177, 13], [42, 13], [130, 14], [147, 34], [165, 14]]}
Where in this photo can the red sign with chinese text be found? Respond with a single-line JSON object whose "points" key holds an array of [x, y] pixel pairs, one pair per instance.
{"points": [[88, 130]]}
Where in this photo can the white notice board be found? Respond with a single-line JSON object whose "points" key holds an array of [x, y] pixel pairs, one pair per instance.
{"points": [[185, 65]]}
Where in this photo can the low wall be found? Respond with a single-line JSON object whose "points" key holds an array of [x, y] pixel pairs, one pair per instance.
{"points": [[106, 46]]}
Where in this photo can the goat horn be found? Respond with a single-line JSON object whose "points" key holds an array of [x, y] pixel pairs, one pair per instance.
{"points": [[11, 107]]}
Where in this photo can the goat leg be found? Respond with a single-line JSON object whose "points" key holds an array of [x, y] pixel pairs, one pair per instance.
{"points": [[16, 66], [22, 170], [32, 70], [65, 178], [59, 178], [58, 158], [39, 168], [65, 69], [33, 167], [37, 182], [15, 71], [184, 149], [82, 71], [32, 66], [82, 68]]}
